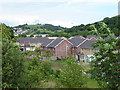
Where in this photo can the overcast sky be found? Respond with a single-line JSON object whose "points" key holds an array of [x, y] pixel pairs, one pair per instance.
{"points": [[66, 13]]}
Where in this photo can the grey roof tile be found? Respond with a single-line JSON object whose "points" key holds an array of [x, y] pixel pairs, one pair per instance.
{"points": [[55, 42], [76, 41], [88, 44], [32, 40], [46, 42], [90, 36]]}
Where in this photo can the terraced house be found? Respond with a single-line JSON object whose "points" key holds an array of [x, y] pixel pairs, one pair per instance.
{"points": [[60, 47]]}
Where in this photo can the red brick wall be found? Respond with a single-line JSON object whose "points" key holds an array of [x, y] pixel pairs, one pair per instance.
{"points": [[76, 49], [63, 49]]}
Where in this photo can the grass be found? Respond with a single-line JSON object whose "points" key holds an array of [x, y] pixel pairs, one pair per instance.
{"points": [[56, 65], [59, 60], [92, 83]]}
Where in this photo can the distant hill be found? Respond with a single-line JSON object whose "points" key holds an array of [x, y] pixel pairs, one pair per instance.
{"points": [[40, 29], [84, 29], [67, 32], [48, 27]]}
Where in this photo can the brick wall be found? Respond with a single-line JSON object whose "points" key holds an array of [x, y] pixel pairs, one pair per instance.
{"points": [[63, 49]]}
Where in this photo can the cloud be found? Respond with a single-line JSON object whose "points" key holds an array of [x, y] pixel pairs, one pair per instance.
{"points": [[63, 23], [98, 1], [24, 1], [67, 14], [12, 20], [19, 19], [67, 1]]}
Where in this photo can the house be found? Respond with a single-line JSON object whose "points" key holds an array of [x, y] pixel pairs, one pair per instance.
{"points": [[18, 31], [59, 47], [82, 49], [77, 42], [88, 50], [32, 43], [92, 37]]}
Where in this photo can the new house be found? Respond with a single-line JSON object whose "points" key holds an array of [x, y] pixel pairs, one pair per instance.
{"points": [[60, 47], [31, 43], [77, 42]]}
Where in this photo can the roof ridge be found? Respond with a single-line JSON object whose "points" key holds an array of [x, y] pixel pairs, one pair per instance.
{"points": [[50, 42]]}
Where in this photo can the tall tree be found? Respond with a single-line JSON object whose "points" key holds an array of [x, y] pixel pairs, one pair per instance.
{"points": [[106, 65], [12, 59], [12, 64]]}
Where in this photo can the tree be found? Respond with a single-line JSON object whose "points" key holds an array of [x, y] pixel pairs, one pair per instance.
{"points": [[22, 35], [12, 64], [106, 65], [7, 32], [36, 73], [12, 59], [71, 75]]}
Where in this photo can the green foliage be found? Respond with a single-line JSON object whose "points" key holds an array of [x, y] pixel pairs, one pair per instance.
{"points": [[60, 34], [40, 29], [47, 54], [112, 23], [71, 75], [36, 73], [106, 65], [7, 32], [48, 27], [12, 60]]}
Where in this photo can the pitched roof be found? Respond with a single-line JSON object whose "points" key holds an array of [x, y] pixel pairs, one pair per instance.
{"points": [[90, 36], [76, 41], [46, 42], [88, 44], [79, 36], [32, 40], [55, 42]]}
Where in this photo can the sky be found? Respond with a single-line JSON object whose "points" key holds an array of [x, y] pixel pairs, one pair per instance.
{"points": [[66, 13]]}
